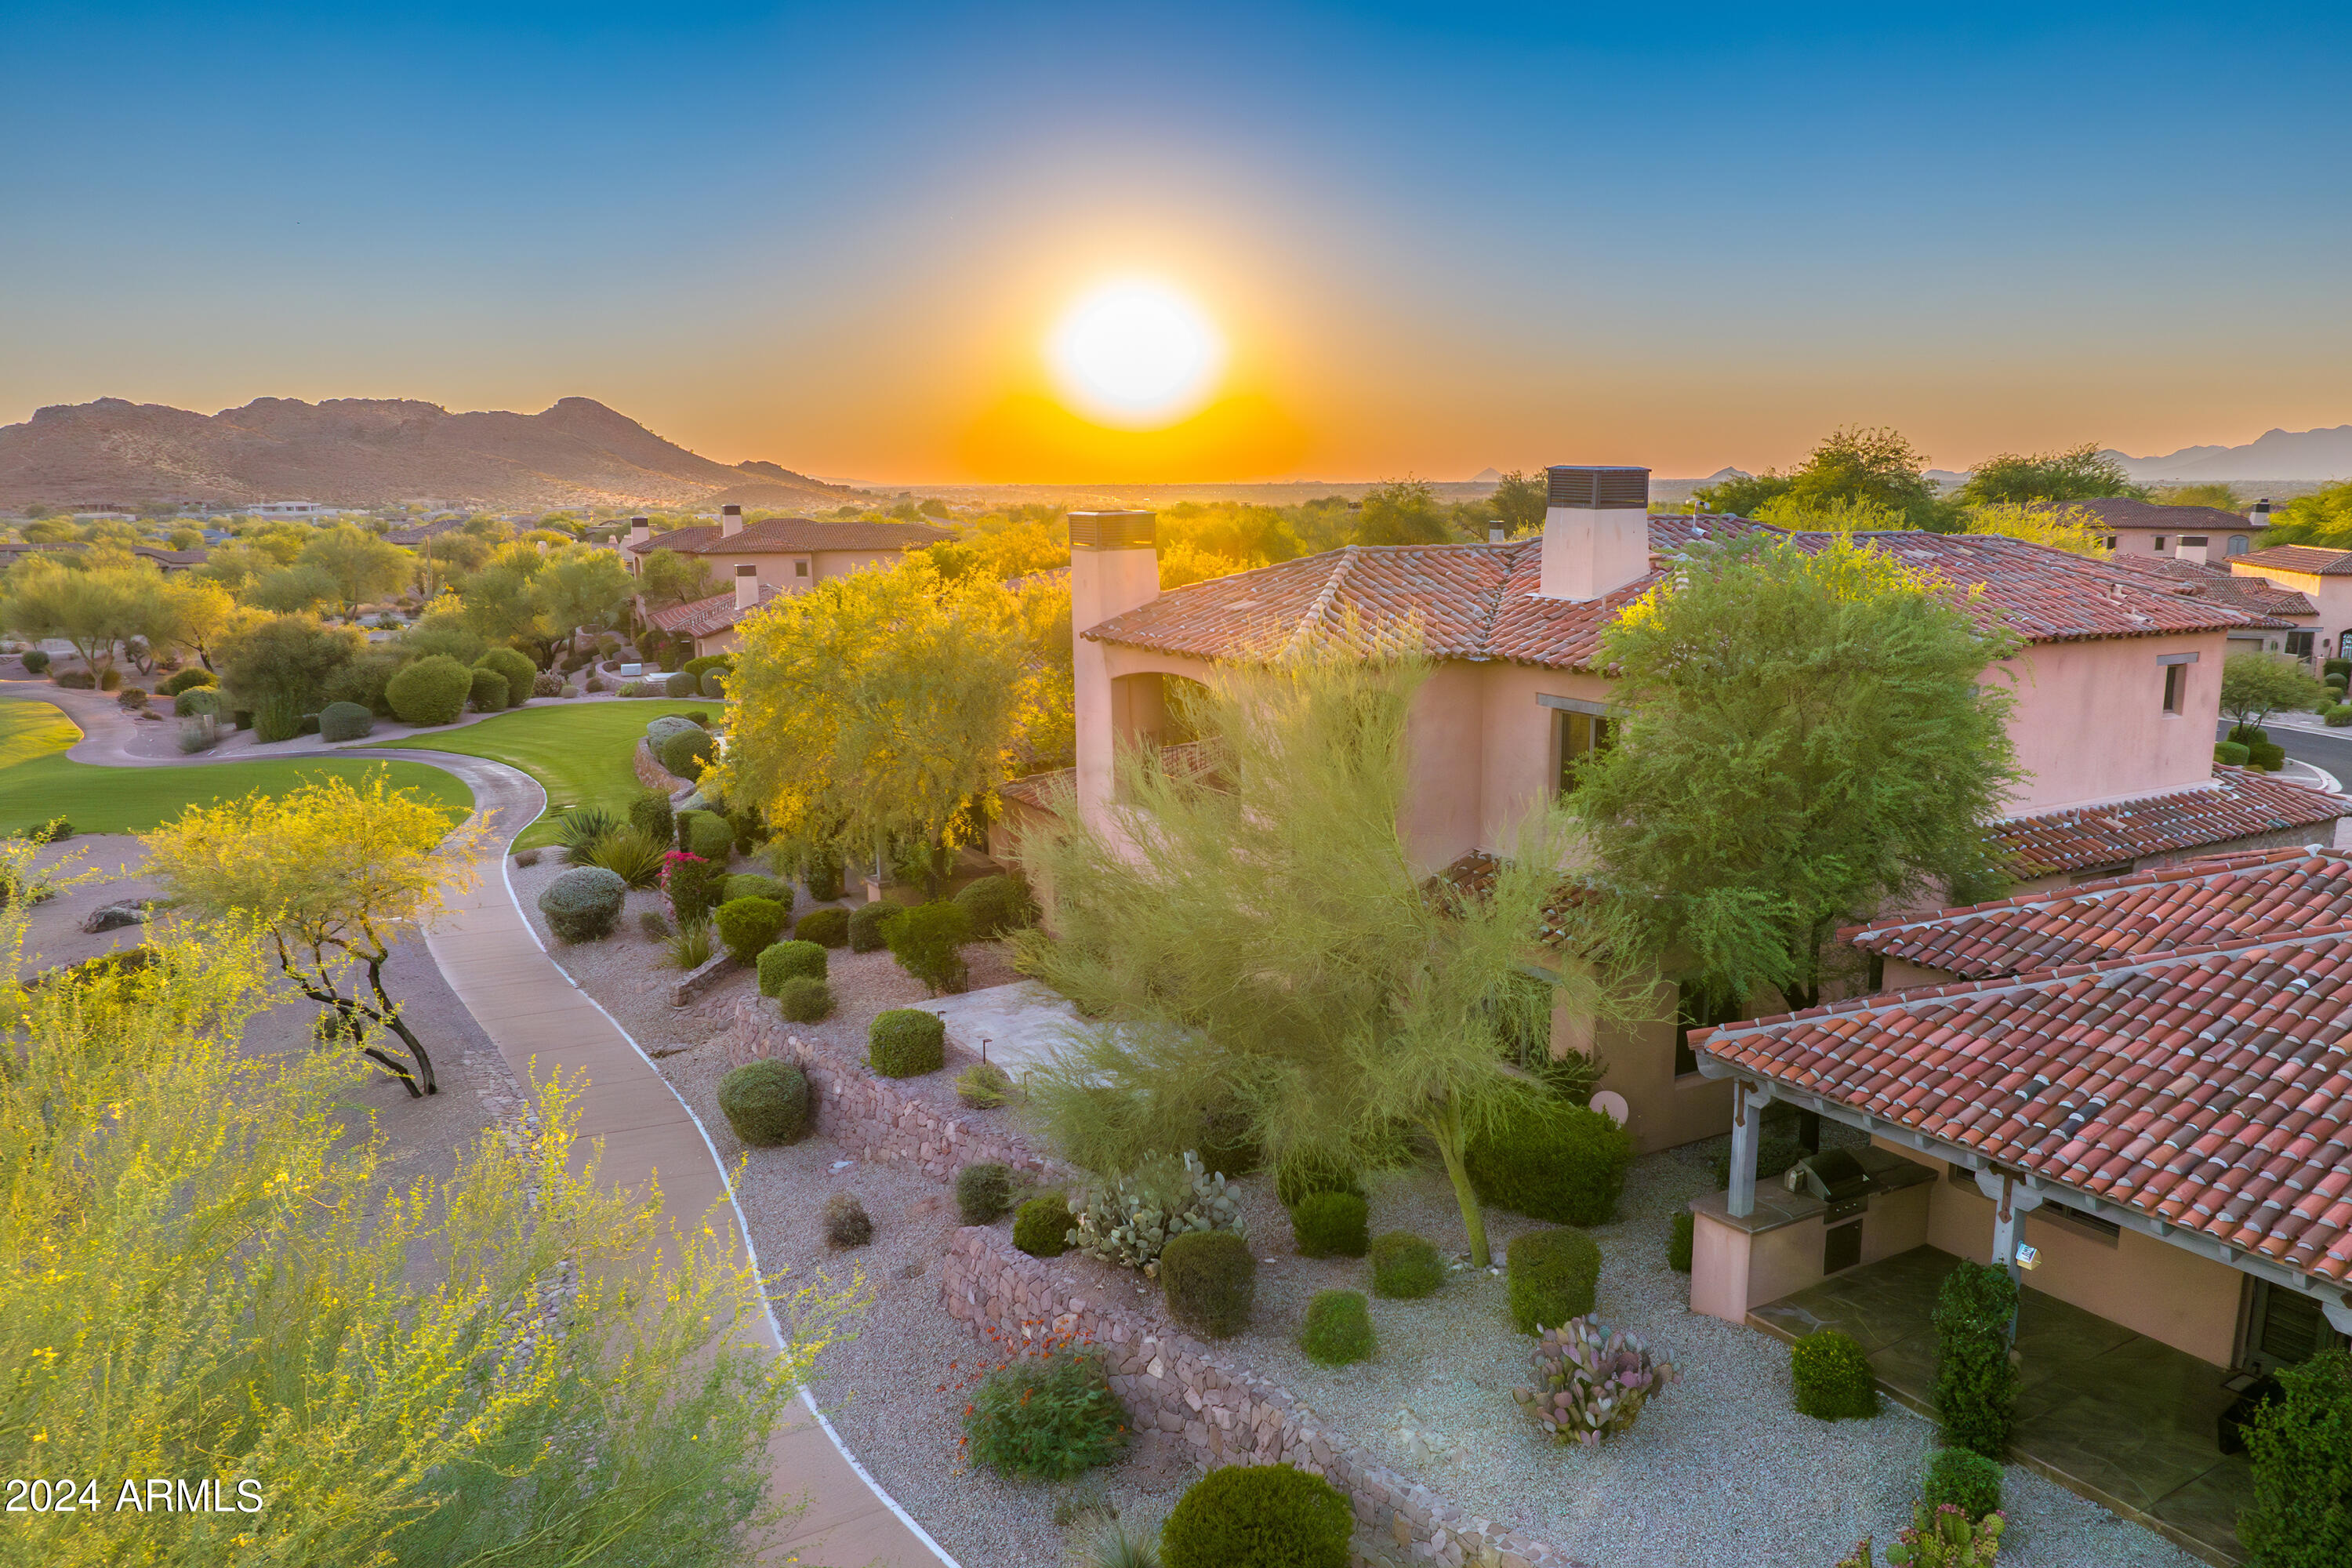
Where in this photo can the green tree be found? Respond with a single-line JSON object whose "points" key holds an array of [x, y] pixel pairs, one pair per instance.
{"points": [[2256, 685], [2071, 528], [445, 557], [287, 657], [1742, 495], [362, 566], [1801, 737], [667, 578], [1842, 514], [1260, 944], [496, 605], [289, 590], [2300, 1442], [580, 587], [2222, 495], [2322, 518], [1405, 512], [193, 613], [1875, 465], [1519, 501], [96, 609], [2078, 473]]}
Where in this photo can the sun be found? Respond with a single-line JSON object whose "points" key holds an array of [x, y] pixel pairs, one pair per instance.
{"points": [[1136, 352]]}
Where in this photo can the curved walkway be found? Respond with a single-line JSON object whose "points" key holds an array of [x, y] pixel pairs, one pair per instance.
{"points": [[542, 1022]]}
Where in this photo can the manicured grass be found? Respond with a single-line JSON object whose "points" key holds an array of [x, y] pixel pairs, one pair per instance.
{"points": [[38, 782], [581, 753]]}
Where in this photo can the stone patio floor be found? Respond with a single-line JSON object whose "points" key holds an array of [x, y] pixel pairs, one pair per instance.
{"points": [[2106, 1413]]}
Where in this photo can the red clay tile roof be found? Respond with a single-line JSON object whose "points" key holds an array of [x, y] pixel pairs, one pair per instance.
{"points": [[1039, 790], [2207, 1088], [2122, 512], [2313, 558], [1478, 601], [795, 535], [705, 617], [2257, 596], [2242, 804], [2259, 894]]}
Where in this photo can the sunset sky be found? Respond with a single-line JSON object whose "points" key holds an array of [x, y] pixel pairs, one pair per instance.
{"points": [[1425, 239]]}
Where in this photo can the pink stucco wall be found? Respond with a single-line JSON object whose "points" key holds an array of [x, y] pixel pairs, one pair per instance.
{"points": [[2089, 723], [2331, 596]]}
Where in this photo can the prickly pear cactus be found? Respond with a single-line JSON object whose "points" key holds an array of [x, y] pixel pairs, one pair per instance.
{"points": [[1591, 1381], [1131, 1222], [1947, 1539]]}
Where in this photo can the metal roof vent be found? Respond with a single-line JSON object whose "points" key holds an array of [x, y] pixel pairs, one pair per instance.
{"points": [[1598, 488]]}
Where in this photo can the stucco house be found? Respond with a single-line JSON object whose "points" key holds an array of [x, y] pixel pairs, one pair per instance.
{"points": [[792, 554], [2324, 577], [2117, 694], [2198, 533]]}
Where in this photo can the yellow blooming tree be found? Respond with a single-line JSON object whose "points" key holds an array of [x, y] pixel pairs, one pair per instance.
{"points": [[327, 871]]}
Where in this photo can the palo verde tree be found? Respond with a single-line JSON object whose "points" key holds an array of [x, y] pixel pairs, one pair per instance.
{"points": [[357, 565], [2256, 685], [328, 870], [1800, 738], [880, 708], [2068, 528], [95, 607], [1260, 944]]}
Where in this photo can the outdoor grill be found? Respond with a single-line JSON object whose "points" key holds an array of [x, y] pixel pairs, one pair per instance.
{"points": [[1836, 1178]]}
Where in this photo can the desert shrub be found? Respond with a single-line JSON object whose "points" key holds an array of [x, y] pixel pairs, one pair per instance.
{"points": [[345, 721], [1975, 1386], [544, 684], [760, 885], [1551, 1160], [906, 1042], [594, 684], [655, 925], [37, 660], [2342, 666], [1129, 1222], [784, 960], [688, 755], [186, 681], [581, 829], [1299, 1175], [2268, 756], [1775, 1152], [995, 905], [866, 923], [584, 904], [516, 670], [707, 835], [823, 872], [56, 830], [1041, 1228], [712, 684], [76, 681], [680, 684], [1552, 1275], [1591, 1381], [928, 942], [1211, 1281], [193, 738], [825, 927], [747, 926], [691, 944], [526, 857], [766, 1102], [1330, 1225], [365, 680], [2229, 752], [2339, 716], [1404, 1267], [804, 999], [1258, 1516], [984, 1086], [693, 884], [984, 1192], [433, 691], [489, 692], [132, 698], [201, 699], [1968, 1481], [277, 717], [630, 855], [650, 815], [1338, 1329], [1832, 1377], [2300, 1443], [108, 678], [1679, 1241], [1046, 1418], [846, 1222]]}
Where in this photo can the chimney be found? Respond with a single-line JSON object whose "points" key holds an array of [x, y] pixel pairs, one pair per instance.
{"points": [[2261, 516], [1496, 533], [641, 531], [747, 588], [1113, 568], [1596, 535], [731, 522]]}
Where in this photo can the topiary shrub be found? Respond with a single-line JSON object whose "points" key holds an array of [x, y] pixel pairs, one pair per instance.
{"points": [[1679, 1241], [1552, 1275], [186, 681], [661, 727], [1338, 1329], [489, 692], [37, 660], [846, 1222], [1041, 1226], [712, 684], [650, 815], [693, 885], [785, 961], [766, 1102], [433, 691], [866, 926], [804, 999], [1958, 1478], [1976, 1383], [1211, 1281], [681, 684], [995, 905], [1299, 1175], [928, 942], [584, 904], [345, 721], [2335, 718], [1046, 1418], [198, 699], [906, 1042], [1258, 1516], [2231, 753], [1330, 1225], [760, 885], [826, 927], [2268, 757], [747, 927], [707, 835], [1832, 1377], [1551, 1160], [1404, 1267], [2300, 1444], [688, 753], [521, 675], [984, 1192]]}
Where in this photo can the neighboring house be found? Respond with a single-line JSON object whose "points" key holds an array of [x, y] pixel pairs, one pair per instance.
{"points": [[169, 560], [2184, 532], [2322, 576], [790, 554], [2117, 692], [2275, 614], [2142, 1081], [410, 537], [709, 624]]}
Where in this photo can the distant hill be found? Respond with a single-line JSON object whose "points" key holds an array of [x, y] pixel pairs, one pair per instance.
{"points": [[367, 452], [2277, 455]]}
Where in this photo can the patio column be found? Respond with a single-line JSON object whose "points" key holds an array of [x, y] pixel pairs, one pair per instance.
{"points": [[1748, 1103], [2011, 1200]]}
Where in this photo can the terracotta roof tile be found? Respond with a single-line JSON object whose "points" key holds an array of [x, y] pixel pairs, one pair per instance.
{"points": [[2258, 596], [794, 535], [705, 618], [2243, 804], [2316, 559], [2122, 512]]}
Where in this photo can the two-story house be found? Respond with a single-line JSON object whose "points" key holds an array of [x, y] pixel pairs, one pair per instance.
{"points": [[760, 560]]}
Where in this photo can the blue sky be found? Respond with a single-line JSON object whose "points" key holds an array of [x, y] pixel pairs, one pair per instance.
{"points": [[1440, 238]]}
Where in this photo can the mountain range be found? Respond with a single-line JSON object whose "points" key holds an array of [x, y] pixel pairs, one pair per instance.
{"points": [[355, 451], [2276, 455]]}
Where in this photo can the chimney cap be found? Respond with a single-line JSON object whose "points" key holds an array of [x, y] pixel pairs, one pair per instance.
{"points": [[1114, 530], [747, 571], [731, 509], [1597, 487]]}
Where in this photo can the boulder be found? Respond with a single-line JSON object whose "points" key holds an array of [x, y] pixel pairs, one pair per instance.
{"points": [[114, 917]]}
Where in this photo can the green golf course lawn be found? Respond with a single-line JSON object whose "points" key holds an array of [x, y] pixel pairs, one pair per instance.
{"points": [[580, 753], [38, 782]]}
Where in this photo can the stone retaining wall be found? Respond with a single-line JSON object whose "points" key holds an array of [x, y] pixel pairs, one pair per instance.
{"points": [[1180, 1394], [653, 776]]}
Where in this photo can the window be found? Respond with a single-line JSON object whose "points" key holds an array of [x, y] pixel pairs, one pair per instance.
{"points": [[2173, 683], [2238, 543], [1581, 735], [1692, 1010], [2192, 541], [2159, 541], [2075, 1219], [800, 568], [2111, 541], [2298, 643]]}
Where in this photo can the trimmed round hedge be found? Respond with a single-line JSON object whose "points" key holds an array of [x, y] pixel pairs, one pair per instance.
{"points": [[760, 885], [584, 904], [1552, 1275], [713, 684], [866, 927], [1338, 1329], [804, 999], [1330, 1225], [906, 1042], [185, 680], [680, 684], [345, 721], [1404, 1267], [1832, 1378], [1551, 1160], [521, 675], [1041, 1226], [660, 730], [433, 691], [825, 927], [707, 835], [748, 927], [786, 960], [199, 700], [487, 693], [1258, 1516], [1211, 1281], [766, 1102], [688, 755], [1297, 1177], [996, 905]]}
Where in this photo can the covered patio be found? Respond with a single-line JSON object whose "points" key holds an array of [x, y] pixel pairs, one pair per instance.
{"points": [[2109, 1413]]}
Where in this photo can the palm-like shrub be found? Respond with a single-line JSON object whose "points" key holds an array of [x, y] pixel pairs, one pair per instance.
{"points": [[581, 829], [630, 855]]}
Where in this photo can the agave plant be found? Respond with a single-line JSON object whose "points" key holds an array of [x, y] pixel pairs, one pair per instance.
{"points": [[629, 854], [581, 829], [1591, 1381]]}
